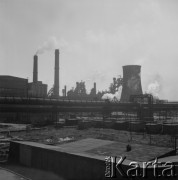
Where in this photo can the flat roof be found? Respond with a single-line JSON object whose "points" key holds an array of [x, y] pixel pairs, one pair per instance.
{"points": [[98, 148], [8, 76]]}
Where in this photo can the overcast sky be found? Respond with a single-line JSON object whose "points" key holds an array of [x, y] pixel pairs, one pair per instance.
{"points": [[96, 38]]}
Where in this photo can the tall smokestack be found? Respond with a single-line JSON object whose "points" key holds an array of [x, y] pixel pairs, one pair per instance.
{"points": [[65, 90], [56, 74], [131, 82], [35, 69], [94, 88]]}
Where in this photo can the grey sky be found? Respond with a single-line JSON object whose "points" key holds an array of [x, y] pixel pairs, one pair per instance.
{"points": [[96, 38]]}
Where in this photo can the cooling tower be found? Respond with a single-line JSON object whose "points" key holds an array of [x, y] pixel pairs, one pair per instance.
{"points": [[131, 82], [56, 74], [35, 69]]}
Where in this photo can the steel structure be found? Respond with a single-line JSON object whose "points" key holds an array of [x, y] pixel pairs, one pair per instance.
{"points": [[138, 115], [17, 104]]}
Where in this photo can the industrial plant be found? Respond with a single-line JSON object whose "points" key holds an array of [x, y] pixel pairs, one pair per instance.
{"points": [[76, 135]]}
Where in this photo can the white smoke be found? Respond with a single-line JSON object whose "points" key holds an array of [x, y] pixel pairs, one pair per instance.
{"points": [[108, 96], [113, 97], [154, 89], [51, 44]]}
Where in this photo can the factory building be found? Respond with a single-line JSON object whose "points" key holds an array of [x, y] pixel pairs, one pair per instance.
{"points": [[37, 89], [13, 86]]}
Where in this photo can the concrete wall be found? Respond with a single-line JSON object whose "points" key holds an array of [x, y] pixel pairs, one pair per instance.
{"points": [[68, 165]]}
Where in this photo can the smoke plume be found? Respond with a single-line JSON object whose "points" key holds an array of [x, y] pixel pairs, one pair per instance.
{"points": [[50, 44], [154, 89], [113, 97]]}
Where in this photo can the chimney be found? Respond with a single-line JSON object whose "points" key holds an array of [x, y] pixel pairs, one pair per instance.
{"points": [[65, 90], [131, 82], [56, 74], [35, 69], [95, 88]]}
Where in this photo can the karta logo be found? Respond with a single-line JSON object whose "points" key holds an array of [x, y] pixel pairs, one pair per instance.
{"points": [[114, 165]]}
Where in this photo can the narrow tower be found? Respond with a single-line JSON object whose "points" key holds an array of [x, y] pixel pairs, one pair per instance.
{"points": [[56, 74], [35, 69]]}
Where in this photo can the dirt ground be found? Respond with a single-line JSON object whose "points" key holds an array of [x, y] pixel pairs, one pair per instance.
{"points": [[54, 136]]}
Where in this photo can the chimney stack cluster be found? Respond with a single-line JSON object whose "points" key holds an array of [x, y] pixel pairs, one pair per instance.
{"points": [[56, 73], [131, 79]]}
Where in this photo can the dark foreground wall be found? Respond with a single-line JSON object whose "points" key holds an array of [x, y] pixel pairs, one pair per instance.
{"points": [[68, 165]]}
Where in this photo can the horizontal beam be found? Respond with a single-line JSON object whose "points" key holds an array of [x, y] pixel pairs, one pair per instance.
{"points": [[9, 104]]}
